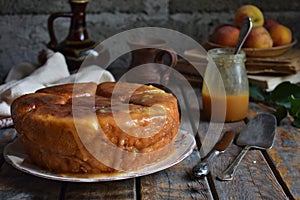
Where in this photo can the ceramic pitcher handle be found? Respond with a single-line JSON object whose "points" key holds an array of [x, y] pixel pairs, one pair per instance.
{"points": [[160, 58], [53, 40], [171, 55]]}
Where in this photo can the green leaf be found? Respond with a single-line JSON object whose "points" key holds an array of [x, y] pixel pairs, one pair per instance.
{"points": [[280, 95], [285, 97], [295, 106], [281, 112]]}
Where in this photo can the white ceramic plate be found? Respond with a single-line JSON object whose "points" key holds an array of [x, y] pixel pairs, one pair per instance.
{"points": [[184, 144]]}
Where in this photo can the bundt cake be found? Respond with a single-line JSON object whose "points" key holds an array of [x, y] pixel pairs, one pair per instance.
{"points": [[90, 128]]}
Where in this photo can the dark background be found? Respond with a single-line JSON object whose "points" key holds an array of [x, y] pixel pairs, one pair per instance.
{"points": [[24, 30]]}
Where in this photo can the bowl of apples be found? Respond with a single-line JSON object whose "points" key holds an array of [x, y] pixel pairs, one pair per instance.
{"points": [[267, 37]]}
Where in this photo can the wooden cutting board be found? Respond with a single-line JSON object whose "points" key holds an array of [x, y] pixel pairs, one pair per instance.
{"points": [[287, 63]]}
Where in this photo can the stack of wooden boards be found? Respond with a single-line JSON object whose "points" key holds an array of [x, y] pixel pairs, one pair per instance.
{"points": [[266, 72], [287, 63]]}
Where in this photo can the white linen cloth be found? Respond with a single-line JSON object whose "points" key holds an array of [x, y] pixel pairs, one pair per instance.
{"points": [[25, 78]]}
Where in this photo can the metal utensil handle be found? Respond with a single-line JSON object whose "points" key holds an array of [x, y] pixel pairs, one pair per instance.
{"points": [[244, 32], [202, 168], [228, 174]]}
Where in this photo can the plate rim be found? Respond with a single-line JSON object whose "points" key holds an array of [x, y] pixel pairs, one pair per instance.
{"points": [[109, 177]]}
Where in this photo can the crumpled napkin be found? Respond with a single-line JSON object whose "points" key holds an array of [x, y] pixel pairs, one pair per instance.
{"points": [[25, 78]]}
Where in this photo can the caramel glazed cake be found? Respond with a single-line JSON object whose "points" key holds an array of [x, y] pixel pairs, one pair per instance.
{"points": [[90, 128]]}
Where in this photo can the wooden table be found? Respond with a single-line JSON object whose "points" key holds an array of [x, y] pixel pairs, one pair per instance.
{"points": [[271, 174]]}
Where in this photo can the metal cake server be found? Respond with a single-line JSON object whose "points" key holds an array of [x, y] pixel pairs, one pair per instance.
{"points": [[202, 168], [259, 133]]}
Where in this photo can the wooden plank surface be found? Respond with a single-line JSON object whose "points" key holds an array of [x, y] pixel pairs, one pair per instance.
{"points": [[124, 189], [176, 183], [253, 178], [285, 155], [17, 185]]}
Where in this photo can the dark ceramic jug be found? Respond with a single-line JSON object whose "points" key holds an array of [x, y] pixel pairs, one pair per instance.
{"points": [[77, 46]]}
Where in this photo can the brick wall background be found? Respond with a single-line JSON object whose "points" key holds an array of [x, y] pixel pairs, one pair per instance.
{"points": [[24, 30]]}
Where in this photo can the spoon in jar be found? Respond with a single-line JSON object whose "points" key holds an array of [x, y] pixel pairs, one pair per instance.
{"points": [[244, 32]]}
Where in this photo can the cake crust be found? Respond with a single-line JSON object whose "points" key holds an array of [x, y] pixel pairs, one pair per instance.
{"points": [[90, 128]]}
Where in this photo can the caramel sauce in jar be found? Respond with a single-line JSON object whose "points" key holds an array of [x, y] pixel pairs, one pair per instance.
{"points": [[225, 92]]}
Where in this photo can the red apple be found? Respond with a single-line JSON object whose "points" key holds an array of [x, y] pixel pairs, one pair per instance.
{"points": [[280, 35], [226, 35], [258, 37], [269, 23]]}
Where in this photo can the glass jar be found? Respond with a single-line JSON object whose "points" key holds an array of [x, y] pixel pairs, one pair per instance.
{"points": [[225, 93]]}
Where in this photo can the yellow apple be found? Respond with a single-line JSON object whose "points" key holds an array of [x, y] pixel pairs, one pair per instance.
{"points": [[251, 11]]}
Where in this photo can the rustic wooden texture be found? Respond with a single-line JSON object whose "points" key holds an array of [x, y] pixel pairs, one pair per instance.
{"points": [[287, 63], [18, 185], [285, 155], [208, 139], [253, 178], [285, 152], [176, 183], [125, 189]]}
